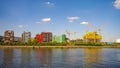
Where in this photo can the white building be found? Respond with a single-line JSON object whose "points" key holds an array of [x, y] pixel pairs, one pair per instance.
{"points": [[26, 36]]}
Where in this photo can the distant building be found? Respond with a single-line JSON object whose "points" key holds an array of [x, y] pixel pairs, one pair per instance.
{"points": [[44, 37], [92, 37], [61, 38], [26, 36], [79, 40], [39, 38], [9, 36], [1, 38], [17, 39]]}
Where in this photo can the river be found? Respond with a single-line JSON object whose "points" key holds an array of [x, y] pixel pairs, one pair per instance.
{"points": [[60, 58]]}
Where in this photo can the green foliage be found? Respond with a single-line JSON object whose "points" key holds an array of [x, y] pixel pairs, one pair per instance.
{"points": [[35, 43], [88, 43]]}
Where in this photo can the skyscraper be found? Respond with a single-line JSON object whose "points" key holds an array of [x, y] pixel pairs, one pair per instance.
{"points": [[9, 36], [26, 36]]}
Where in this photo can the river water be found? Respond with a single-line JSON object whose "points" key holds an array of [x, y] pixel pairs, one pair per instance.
{"points": [[60, 58]]}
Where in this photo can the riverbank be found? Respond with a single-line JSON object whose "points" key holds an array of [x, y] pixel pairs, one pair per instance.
{"points": [[72, 46]]}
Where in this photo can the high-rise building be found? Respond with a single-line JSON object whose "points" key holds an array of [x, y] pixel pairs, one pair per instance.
{"points": [[9, 36], [61, 38], [44, 37], [26, 36]]}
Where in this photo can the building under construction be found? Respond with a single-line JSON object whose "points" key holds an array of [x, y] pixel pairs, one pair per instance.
{"points": [[92, 37], [61, 38], [44, 37], [9, 36]]}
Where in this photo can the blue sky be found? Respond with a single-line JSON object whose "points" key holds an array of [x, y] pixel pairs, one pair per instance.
{"points": [[59, 15]]}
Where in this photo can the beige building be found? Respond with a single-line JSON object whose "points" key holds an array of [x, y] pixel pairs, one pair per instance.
{"points": [[9, 36]]}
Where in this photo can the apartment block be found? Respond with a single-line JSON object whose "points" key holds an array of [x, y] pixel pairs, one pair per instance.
{"points": [[9, 36]]}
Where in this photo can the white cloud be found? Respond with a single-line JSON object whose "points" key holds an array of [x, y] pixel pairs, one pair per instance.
{"points": [[49, 4], [72, 19], [85, 23], [117, 4], [22, 26], [46, 20]]}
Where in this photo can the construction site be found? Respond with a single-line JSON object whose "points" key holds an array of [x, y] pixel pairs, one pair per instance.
{"points": [[68, 37], [90, 36]]}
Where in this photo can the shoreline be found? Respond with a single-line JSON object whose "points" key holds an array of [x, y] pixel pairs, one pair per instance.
{"points": [[71, 46]]}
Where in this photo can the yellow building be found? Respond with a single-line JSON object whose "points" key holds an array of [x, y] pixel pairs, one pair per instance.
{"points": [[92, 37]]}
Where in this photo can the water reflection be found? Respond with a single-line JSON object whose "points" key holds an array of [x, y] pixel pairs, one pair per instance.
{"points": [[7, 58], [56, 57], [1, 56], [44, 57], [93, 57], [16, 57], [25, 57]]}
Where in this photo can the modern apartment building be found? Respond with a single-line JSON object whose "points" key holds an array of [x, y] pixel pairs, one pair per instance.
{"points": [[44, 37], [60, 38], [26, 36], [9, 36]]}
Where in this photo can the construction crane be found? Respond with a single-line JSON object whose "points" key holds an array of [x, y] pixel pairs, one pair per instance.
{"points": [[95, 36], [74, 35], [68, 33], [91, 26], [101, 27]]}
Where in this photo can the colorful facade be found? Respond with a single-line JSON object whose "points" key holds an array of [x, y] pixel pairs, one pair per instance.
{"points": [[92, 37], [39, 37], [44, 37], [61, 38]]}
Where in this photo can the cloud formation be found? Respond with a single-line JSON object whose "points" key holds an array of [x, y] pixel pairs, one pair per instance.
{"points": [[49, 4], [22, 26], [85, 23], [46, 20], [117, 4], [72, 19]]}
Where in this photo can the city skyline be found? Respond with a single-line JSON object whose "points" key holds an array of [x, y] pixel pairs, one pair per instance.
{"points": [[57, 16]]}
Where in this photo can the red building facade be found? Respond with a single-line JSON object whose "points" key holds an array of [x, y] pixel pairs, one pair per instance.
{"points": [[39, 38], [44, 37]]}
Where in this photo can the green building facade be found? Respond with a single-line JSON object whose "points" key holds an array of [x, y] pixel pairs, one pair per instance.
{"points": [[61, 38]]}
